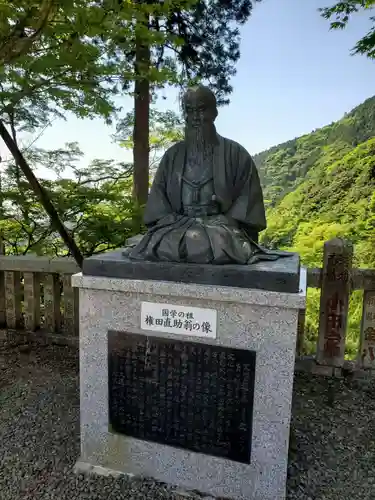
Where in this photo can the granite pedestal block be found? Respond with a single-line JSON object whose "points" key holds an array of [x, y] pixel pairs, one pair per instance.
{"points": [[261, 323]]}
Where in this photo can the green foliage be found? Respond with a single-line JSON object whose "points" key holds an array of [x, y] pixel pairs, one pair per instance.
{"points": [[166, 128], [67, 66], [283, 167], [333, 197], [208, 41], [72, 55], [334, 200], [95, 204], [340, 14], [78, 55]]}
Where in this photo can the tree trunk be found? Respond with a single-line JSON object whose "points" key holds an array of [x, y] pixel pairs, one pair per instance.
{"points": [[41, 194], [141, 147]]}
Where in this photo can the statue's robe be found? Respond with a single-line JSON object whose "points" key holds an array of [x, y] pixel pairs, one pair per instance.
{"points": [[229, 236]]}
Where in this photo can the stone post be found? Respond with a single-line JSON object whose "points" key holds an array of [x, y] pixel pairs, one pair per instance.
{"points": [[334, 302]]}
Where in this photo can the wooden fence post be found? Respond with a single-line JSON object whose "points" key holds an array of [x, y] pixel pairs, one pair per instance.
{"points": [[71, 309], [52, 314], [31, 287], [334, 302], [2, 299], [13, 299], [301, 332]]}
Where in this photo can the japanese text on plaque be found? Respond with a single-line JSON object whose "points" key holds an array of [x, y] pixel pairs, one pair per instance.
{"points": [[189, 321]]}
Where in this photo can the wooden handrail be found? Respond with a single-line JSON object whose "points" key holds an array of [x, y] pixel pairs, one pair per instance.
{"points": [[25, 263]]}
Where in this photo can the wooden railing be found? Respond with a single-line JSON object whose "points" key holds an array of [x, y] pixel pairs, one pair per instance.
{"points": [[38, 302], [37, 299]]}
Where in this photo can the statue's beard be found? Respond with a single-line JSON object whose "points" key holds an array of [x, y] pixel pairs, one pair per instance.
{"points": [[200, 137]]}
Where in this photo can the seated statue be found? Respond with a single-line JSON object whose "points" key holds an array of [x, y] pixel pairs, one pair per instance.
{"points": [[206, 203]]}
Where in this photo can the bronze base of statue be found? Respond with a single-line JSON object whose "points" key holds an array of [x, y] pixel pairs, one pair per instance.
{"points": [[281, 275]]}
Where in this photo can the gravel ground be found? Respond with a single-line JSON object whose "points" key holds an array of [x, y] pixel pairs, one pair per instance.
{"points": [[332, 452]]}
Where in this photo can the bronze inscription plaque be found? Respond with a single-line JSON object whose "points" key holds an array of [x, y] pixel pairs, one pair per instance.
{"points": [[183, 394]]}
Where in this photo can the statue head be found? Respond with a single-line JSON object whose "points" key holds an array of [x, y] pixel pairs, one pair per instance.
{"points": [[200, 112]]}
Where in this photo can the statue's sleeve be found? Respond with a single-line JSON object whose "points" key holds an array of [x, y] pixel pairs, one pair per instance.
{"points": [[248, 206], [158, 205]]}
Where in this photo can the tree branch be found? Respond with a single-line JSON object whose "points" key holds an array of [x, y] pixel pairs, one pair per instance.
{"points": [[17, 43]]}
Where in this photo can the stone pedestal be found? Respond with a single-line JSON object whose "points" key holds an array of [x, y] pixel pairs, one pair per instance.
{"points": [[221, 323]]}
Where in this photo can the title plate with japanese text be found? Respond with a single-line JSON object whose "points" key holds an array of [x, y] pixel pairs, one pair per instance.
{"points": [[180, 320]]}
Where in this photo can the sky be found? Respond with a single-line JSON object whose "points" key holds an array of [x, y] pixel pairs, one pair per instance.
{"points": [[294, 75]]}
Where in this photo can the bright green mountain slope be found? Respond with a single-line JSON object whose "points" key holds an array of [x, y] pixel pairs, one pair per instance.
{"points": [[336, 199], [333, 195], [283, 167]]}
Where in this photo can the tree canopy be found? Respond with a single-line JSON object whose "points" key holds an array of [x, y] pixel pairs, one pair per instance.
{"points": [[70, 55], [208, 45], [339, 15], [94, 203]]}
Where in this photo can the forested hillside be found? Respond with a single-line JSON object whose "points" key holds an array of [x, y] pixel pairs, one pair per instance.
{"points": [[282, 168], [320, 186], [336, 199]]}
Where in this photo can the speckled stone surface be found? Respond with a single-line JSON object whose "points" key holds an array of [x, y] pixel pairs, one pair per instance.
{"points": [[249, 319], [189, 291]]}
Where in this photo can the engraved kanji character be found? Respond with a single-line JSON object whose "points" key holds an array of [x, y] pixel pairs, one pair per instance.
{"points": [[181, 314], [196, 326], [165, 312], [331, 347], [206, 327], [149, 320], [177, 323], [188, 325], [189, 316], [173, 313], [159, 322], [167, 322], [370, 334]]}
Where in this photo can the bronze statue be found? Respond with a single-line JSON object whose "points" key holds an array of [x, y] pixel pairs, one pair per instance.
{"points": [[206, 202]]}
